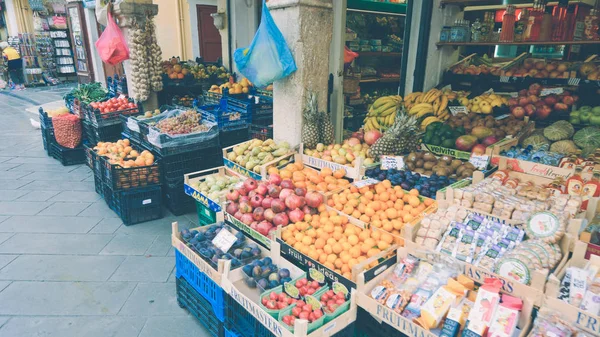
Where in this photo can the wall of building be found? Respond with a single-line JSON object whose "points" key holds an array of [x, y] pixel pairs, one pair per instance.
{"points": [[168, 32]]}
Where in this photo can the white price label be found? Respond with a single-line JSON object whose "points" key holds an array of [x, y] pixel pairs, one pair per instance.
{"points": [[549, 91], [459, 109], [389, 162], [480, 162], [146, 201], [224, 240], [366, 182], [502, 117]]}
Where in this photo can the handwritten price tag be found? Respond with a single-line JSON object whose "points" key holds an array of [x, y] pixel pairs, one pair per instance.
{"points": [[366, 182], [459, 109], [548, 91], [224, 240], [480, 162], [389, 162]]}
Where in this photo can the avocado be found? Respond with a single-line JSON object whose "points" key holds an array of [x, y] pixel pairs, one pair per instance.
{"points": [[449, 143], [460, 130], [433, 126], [427, 137], [436, 141]]}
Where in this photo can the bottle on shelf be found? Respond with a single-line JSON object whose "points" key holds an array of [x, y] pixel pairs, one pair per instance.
{"points": [[591, 25], [484, 31], [535, 22], [467, 31], [546, 26], [476, 31], [559, 21], [508, 25], [490, 23], [521, 25]]}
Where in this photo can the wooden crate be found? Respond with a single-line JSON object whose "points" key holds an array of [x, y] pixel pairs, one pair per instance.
{"points": [[353, 172], [248, 173]]}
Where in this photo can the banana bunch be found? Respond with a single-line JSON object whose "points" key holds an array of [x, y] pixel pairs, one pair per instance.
{"points": [[433, 103], [382, 113]]}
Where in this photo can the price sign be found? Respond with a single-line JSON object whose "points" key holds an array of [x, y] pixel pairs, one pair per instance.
{"points": [[224, 240], [366, 182], [389, 162], [501, 117], [459, 109], [480, 162], [548, 91]]}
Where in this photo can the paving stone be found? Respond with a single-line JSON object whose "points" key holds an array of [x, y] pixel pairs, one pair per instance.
{"points": [[172, 276], [3, 321], [160, 246], [124, 244], [39, 167], [13, 152], [64, 298], [5, 236], [144, 269], [36, 195], [171, 252], [80, 244], [14, 184], [47, 185], [73, 326], [65, 208], [159, 226], [9, 166], [4, 285], [107, 226], [56, 177], [153, 299], [10, 175], [173, 326], [61, 268], [99, 209], [22, 207], [30, 160], [6, 259], [11, 195], [77, 196], [48, 224]]}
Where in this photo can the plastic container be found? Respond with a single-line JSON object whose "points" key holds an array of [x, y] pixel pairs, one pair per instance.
{"points": [[225, 119], [367, 326], [206, 216], [173, 167], [262, 132], [311, 326], [199, 307], [135, 205], [176, 201], [228, 138], [120, 178], [92, 161], [206, 287], [99, 186], [67, 156], [95, 134], [95, 117]]}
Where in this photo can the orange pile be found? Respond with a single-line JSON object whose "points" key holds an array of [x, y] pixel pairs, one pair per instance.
{"points": [[381, 205], [121, 153], [324, 181], [327, 237]]}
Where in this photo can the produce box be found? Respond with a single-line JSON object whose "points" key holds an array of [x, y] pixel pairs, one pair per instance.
{"points": [[443, 151], [93, 162], [225, 119], [175, 199], [68, 156], [253, 234], [135, 205], [250, 319], [118, 177], [582, 319], [262, 132], [97, 117], [197, 305], [95, 134], [407, 326], [355, 172], [259, 172]]}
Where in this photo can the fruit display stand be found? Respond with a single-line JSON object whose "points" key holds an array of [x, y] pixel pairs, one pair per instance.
{"points": [[408, 326], [247, 317], [262, 169], [209, 211], [355, 172], [253, 234]]}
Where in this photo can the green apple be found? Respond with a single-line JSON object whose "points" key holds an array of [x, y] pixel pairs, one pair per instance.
{"points": [[586, 108], [585, 116], [574, 120], [596, 110], [595, 120], [575, 113]]}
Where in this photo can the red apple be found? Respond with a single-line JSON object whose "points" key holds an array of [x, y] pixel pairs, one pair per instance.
{"points": [[533, 98], [543, 112], [568, 100], [518, 112], [530, 109], [550, 100], [522, 92], [561, 107], [513, 101], [523, 101], [478, 150]]}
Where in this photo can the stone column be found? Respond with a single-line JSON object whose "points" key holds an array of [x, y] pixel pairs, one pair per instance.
{"points": [[126, 13], [307, 27]]}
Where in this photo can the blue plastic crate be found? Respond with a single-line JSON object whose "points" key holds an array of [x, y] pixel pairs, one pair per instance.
{"points": [[225, 119], [231, 333], [243, 321], [197, 305], [201, 283]]}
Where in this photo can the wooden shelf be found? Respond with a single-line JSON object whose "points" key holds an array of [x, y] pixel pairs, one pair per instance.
{"points": [[498, 4], [380, 80], [382, 8], [378, 53], [527, 43]]}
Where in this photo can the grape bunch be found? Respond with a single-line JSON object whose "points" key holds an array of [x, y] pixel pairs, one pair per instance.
{"points": [[187, 122]]}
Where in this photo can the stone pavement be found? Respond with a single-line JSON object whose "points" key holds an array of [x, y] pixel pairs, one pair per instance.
{"points": [[68, 266]]}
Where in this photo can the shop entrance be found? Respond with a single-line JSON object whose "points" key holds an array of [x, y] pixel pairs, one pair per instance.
{"points": [[209, 38]]}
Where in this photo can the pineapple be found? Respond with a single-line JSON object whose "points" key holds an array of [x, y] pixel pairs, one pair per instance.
{"points": [[327, 131], [401, 138], [310, 128]]}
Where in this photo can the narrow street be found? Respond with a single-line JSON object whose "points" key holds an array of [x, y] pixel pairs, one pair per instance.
{"points": [[68, 266]]}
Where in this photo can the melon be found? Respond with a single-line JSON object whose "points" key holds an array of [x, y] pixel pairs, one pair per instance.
{"points": [[587, 137], [536, 141], [564, 147], [560, 130]]}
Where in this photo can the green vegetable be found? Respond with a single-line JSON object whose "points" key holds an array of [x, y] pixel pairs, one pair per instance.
{"points": [[87, 93]]}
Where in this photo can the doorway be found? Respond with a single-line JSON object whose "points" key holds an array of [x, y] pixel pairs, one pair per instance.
{"points": [[209, 38]]}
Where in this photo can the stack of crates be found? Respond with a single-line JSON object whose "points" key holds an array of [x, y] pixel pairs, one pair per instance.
{"points": [[65, 156], [47, 130], [262, 117], [105, 127]]}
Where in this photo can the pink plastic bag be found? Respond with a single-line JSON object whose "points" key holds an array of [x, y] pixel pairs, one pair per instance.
{"points": [[111, 45], [349, 55]]}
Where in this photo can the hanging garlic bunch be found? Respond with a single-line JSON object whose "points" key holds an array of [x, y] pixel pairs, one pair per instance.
{"points": [[154, 55], [139, 65]]}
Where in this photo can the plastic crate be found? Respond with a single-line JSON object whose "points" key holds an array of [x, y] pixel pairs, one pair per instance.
{"points": [[243, 321], [93, 161], [67, 156], [211, 291], [135, 205], [231, 333], [174, 167], [176, 201], [225, 119], [206, 216], [229, 138], [47, 138], [99, 186], [121, 178], [95, 134], [261, 106], [45, 121], [262, 132], [95, 117], [367, 326], [197, 305]]}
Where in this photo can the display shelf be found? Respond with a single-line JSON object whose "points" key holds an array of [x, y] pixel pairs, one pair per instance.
{"points": [[379, 7], [378, 53], [499, 4], [526, 43], [381, 80]]}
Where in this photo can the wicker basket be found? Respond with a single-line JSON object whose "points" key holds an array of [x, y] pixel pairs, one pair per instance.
{"points": [[351, 84]]}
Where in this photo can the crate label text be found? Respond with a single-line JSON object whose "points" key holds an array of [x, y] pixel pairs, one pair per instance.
{"points": [[265, 319]]}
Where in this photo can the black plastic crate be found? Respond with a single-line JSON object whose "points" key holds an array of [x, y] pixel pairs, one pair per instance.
{"points": [[92, 160], [262, 132], [174, 167], [121, 178], [67, 156], [188, 298], [95, 117], [48, 138], [135, 205], [99, 186], [179, 149], [229, 138], [225, 118], [45, 121], [367, 326], [95, 134], [177, 201]]}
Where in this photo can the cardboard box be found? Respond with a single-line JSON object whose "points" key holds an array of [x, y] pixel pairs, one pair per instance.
{"points": [[353, 172], [239, 169], [191, 180]]}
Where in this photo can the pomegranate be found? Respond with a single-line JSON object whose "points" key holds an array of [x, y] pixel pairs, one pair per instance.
{"points": [[296, 215], [263, 227], [300, 191], [278, 205], [250, 184], [281, 219], [256, 200], [287, 183], [258, 214], [269, 214], [294, 201], [261, 189], [266, 202], [233, 195], [245, 207], [275, 179], [242, 190], [247, 218], [232, 208], [372, 136], [274, 191], [238, 215], [286, 192], [244, 198], [314, 199]]}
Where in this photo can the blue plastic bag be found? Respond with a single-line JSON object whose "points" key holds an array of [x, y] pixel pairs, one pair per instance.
{"points": [[268, 58]]}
